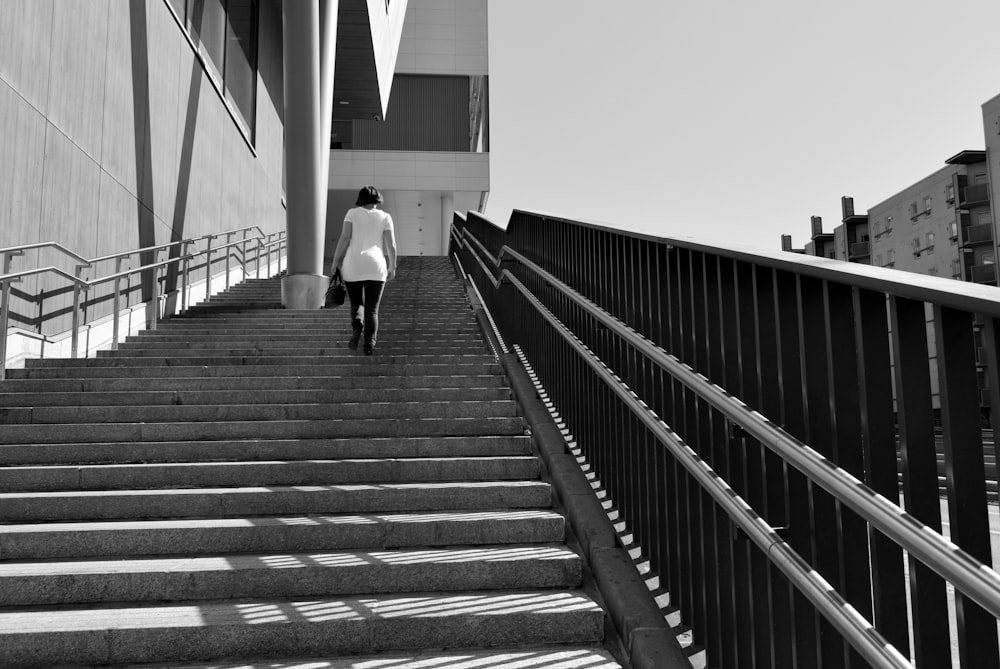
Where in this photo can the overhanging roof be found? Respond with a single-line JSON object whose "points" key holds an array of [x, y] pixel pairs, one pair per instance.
{"points": [[361, 40], [967, 157]]}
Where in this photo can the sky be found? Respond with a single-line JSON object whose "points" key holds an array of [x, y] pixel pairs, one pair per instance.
{"points": [[730, 121]]}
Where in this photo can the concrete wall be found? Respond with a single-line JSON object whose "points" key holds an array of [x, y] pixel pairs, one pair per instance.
{"points": [[113, 136]]}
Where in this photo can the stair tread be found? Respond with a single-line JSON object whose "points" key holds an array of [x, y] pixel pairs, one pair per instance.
{"points": [[250, 612], [542, 657], [292, 561], [282, 521]]}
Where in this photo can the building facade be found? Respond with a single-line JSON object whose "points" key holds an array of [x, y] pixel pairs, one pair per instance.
{"points": [[126, 125], [429, 155]]}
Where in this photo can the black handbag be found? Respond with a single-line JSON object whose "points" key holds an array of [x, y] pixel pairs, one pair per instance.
{"points": [[337, 292]]}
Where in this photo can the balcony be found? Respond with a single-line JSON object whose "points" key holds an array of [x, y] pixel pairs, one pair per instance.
{"points": [[984, 274], [978, 234], [859, 250], [975, 195]]}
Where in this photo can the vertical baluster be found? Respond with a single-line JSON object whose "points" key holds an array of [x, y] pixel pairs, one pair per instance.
{"points": [[8, 263], [918, 459], [799, 530], [814, 345], [722, 623], [965, 475], [733, 461], [878, 434], [774, 505], [117, 303], [750, 481], [229, 253], [847, 449]]}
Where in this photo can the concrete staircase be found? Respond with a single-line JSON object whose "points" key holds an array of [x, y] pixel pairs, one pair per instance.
{"points": [[238, 487]]}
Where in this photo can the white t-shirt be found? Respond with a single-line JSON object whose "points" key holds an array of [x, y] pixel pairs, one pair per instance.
{"points": [[365, 259]]}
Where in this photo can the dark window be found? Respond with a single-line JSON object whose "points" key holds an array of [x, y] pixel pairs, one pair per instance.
{"points": [[241, 55], [225, 33]]}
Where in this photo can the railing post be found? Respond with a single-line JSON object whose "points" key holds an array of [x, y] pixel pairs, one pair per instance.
{"points": [[208, 268], [229, 252], [243, 253], [8, 259], [155, 302], [75, 335], [117, 304], [184, 274]]}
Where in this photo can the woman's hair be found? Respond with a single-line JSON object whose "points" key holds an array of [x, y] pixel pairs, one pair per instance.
{"points": [[368, 195]]}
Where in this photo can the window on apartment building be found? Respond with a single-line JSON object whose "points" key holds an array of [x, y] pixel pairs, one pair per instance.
{"points": [[985, 218], [956, 268], [979, 179], [927, 204], [930, 241], [891, 256], [888, 224], [225, 34], [953, 231], [878, 259], [913, 211], [877, 229], [916, 243], [933, 271], [949, 194]]}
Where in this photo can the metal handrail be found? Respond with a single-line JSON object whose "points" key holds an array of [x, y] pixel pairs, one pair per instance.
{"points": [[963, 295], [859, 632], [59, 247], [19, 250], [970, 577], [952, 563], [81, 285]]}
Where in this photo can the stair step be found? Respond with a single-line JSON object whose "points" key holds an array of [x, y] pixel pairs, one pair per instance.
{"points": [[430, 408], [331, 349], [289, 533], [275, 429], [554, 657], [60, 389], [374, 366], [328, 358], [238, 576], [216, 502], [263, 449], [248, 628], [265, 473], [243, 340], [251, 397]]}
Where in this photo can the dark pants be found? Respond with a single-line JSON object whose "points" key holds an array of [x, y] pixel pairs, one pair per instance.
{"points": [[365, 294]]}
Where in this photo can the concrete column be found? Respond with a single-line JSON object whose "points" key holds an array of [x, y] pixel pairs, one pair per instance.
{"points": [[447, 214], [305, 154], [328, 11]]}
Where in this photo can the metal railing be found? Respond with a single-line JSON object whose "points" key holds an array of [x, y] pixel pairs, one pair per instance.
{"points": [[742, 409], [158, 277]]}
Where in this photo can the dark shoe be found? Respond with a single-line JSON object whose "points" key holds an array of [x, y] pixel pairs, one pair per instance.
{"points": [[355, 338], [369, 349]]}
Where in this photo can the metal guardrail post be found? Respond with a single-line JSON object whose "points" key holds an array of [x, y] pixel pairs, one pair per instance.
{"points": [[229, 252], [117, 305], [208, 269], [243, 253], [78, 288], [184, 275], [155, 302], [8, 260]]}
